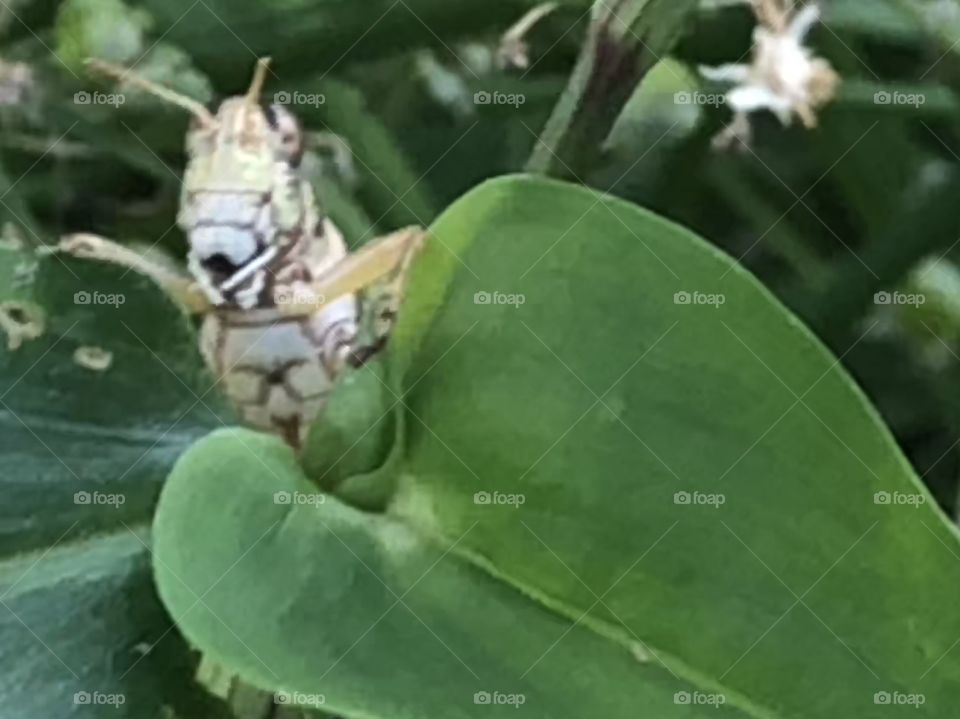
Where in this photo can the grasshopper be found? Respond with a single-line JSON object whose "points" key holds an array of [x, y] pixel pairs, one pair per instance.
{"points": [[281, 299]]}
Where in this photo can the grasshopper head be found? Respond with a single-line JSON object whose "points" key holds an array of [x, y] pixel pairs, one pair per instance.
{"points": [[251, 134], [243, 205]]}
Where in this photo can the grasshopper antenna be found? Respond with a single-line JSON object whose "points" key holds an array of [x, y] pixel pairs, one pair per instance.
{"points": [[187, 103], [259, 79]]}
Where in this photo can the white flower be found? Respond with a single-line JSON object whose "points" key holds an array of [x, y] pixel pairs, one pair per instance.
{"points": [[784, 76]]}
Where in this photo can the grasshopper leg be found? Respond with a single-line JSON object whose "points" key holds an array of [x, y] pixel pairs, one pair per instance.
{"points": [[384, 261], [382, 302], [179, 288]]}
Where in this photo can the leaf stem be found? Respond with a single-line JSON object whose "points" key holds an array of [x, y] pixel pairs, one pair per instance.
{"points": [[626, 38]]}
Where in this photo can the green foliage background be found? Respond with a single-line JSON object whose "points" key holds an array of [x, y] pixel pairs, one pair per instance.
{"points": [[826, 219]]}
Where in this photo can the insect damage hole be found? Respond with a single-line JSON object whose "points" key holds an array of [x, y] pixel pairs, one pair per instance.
{"points": [[21, 322], [95, 359], [11, 239], [640, 652]]}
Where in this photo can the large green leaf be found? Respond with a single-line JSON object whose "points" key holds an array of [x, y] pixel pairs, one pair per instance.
{"points": [[607, 397], [366, 615], [578, 576], [85, 453]]}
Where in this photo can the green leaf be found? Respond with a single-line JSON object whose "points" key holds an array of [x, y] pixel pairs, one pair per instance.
{"points": [[364, 615], [354, 436], [609, 492], [113, 31], [85, 454], [107, 29], [815, 596], [897, 20], [914, 100], [940, 19]]}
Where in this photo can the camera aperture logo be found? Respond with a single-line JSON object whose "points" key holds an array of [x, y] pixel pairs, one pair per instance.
{"points": [[499, 298], [499, 499], [916, 99], [99, 699], [99, 499], [699, 699], [99, 298], [98, 98], [483, 97], [899, 299], [299, 699], [309, 499], [899, 699], [311, 99], [899, 499], [499, 699], [699, 499], [699, 299]]}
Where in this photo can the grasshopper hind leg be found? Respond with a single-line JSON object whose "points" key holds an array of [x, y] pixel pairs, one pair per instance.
{"points": [[380, 304], [381, 314]]}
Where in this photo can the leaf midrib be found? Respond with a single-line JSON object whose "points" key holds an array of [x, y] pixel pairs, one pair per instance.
{"points": [[559, 608]]}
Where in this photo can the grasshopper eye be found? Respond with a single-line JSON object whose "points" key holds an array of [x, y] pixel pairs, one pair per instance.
{"points": [[286, 130], [200, 135]]}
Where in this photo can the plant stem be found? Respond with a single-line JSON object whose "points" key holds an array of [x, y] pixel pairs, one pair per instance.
{"points": [[625, 40]]}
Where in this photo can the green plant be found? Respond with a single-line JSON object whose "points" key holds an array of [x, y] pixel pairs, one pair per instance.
{"points": [[603, 470]]}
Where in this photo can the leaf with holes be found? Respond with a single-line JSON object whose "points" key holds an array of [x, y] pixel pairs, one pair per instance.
{"points": [[85, 454]]}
